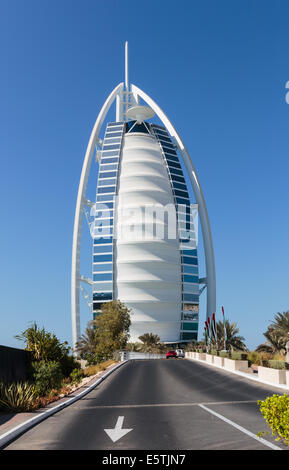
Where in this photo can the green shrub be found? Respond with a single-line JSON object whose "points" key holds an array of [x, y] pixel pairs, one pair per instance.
{"points": [[76, 376], [275, 410], [274, 364], [253, 358], [47, 376], [224, 354], [239, 356], [68, 364], [17, 396]]}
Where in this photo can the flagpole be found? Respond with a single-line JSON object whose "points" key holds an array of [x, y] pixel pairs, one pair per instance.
{"points": [[215, 329], [225, 333]]}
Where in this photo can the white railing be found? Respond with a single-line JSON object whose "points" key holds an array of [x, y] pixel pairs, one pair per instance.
{"points": [[127, 355]]}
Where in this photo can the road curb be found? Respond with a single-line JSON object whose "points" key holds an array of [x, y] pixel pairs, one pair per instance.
{"points": [[241, 374], [23, 427]]}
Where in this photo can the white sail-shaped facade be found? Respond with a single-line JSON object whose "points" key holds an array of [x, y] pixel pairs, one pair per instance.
{"points": [[141, 255], [147, 264]]}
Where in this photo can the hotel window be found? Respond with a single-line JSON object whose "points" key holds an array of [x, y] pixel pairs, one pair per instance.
{"points": [[106, 189], [104, 161], [112, 167], [190, 269], [174, 158], [102, 277], [102, 258], [113, 134], [191, 297], [109, 174], [105, 198], [102, 249], [187, 260], [109, 181], [190, 326], [105, 267], [100, 240], [103, 206], [178, 177], [109, 153], [173, 164], [97, 296]]}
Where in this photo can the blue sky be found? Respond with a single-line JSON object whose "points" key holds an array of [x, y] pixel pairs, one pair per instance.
{"points": [[217, 68]]}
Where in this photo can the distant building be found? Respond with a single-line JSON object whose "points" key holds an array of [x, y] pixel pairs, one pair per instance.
{"points": [[144, 235]]}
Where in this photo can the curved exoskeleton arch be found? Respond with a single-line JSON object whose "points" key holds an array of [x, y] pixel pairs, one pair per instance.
{"points": [[204, 219], [120, 94], [81, 201]]}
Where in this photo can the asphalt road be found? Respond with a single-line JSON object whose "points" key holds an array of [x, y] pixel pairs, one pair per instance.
{"points": [[167, 404]]}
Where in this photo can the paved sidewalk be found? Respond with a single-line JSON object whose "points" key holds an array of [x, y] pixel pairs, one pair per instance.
{"points": [[9, 421]]}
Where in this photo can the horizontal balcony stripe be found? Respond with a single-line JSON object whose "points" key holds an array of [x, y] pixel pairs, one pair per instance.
{"points": [[111, 147], [108, 167], [102, 296], [110, 134], [102, 277], [173, 158], [108, 174], [109, 160], [164, 138], [112, 139], [103, 206], [102, 258], [109, 153], [177, 175], [107, 182]]}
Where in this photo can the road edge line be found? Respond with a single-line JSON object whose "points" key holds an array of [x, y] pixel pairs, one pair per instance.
{"points": [[23, 427], [240, 428]]}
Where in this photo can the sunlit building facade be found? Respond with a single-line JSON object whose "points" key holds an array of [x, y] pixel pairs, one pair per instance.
{"points": [[144, 233]]}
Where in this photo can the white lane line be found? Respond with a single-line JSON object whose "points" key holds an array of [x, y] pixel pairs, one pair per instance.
{"points": [[155, 405], [240, 428]]}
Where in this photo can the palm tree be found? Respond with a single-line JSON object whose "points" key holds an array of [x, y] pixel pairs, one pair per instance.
{"points": [[134, 347], [87, 342], [277, 335], [233, 340], [151, 343], [281, 326], [274, 344]]}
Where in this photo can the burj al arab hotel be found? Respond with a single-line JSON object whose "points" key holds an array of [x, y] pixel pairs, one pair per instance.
{"points": [[143, 232]]}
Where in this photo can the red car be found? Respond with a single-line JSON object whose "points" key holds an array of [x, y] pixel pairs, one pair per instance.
{"points": [[171, 354]]}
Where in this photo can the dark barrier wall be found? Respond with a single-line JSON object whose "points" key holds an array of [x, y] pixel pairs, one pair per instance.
{"points": [[14, 364]]}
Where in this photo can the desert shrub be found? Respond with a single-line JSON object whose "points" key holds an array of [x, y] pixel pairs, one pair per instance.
{"points": [[47, 376], [94, 369], [76, 375], [18, 396], [259, 358], [274, 364], [275, 410], [278, 357], [254, 358], [224, 354]]}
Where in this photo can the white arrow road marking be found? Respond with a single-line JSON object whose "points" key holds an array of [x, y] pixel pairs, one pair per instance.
{"points": [[116, 433]]}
